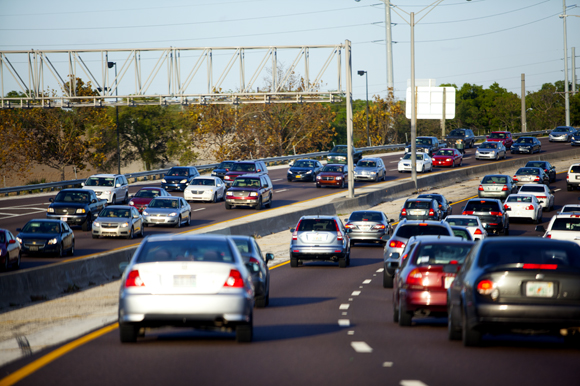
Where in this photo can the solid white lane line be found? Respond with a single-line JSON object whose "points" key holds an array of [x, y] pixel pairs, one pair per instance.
{"points": [[279, 179], [343, 322], [392, 162], [344, 306], [278, 191], [387, 364], [361, 347], [367, 281], [196, 210], [380, 270], [412, 382], [355, 293]]}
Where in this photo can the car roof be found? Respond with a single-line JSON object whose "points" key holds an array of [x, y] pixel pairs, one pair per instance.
{"points": [[251, 175], [532, 185], [489, 199], [203, 177], [321, 217], [335, 165], [416, 222], [105, 175], [425, 199], [45, 220], [118, 207], [78, 190], [150, 188], [185, 236], [440, 239], [501, 132], [164, 198], [469, 216], [430, 194], [495, 175], [369, 159], [367, 211]]}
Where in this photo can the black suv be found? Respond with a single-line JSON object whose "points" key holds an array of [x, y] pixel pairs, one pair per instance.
{"points": [[427, 145], [421, 209], [491, 212], [465, 135], [222, 169], [255, 190], [179, 177]]}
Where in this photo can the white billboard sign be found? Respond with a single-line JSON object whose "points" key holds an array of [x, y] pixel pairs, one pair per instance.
{"points": [[429, 101]]}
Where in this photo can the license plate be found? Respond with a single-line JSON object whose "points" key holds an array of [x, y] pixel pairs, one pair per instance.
{"points": [[448, 281], [298, 176], [184, 281], [63, 218], [317, 237], [416, 212], [33, 248], [541, 289]]}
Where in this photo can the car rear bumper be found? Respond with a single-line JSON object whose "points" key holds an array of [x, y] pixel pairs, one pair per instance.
{"points": [[366, 236], [434, 300], [527, 315], [499, 194], [318, 253]]}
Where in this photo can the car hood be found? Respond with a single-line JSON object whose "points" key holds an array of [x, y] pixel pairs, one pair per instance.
{"points": [[365, 169], [63, 204], [141, 200], [337, 155], [331, 174], [442, 156], [161, 210], [496, 139], [113, 219], [238, 173], [200, 187], [297, 169], [99, 189], [176, 178], [243, 189]]}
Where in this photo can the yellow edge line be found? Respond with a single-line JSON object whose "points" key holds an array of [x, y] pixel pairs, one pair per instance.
{"points": [[46, 359]]}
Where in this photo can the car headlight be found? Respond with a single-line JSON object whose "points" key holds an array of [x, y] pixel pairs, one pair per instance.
{"points": [[163, 180], [52, 241], [338, 178], [318, 177], [341, 158], [172, 214], [131, 203], [19, 240], [448, 159], [81, 210], [144, 213], [125, 225], [207, 192], [183, 181], [50, 210], [96, 224], [309, 172], [253, 194], [289, 172], [213, 173], [228, 193], [226, 177]]}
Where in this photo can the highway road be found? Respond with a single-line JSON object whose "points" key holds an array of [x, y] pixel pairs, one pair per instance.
{"points": [[15, 212], [324, 326]]}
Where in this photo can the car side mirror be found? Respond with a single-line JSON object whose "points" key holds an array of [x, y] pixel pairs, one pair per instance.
{"points": [[449, 202], [401, 158], [135, 216], [118, 185], [292, 230], [391, 221], [51, 199], [385, 237], [269, 257], [123, 266], [540, 228], [541, 202], [18, 229], [552, 192]]}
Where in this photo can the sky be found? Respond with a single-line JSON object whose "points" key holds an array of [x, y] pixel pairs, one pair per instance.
{"points": [[479, 42]]}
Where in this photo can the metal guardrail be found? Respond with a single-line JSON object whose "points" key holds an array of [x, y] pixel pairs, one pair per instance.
{"points": [[156, 174]]}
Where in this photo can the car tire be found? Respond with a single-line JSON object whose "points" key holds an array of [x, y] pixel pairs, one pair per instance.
{"points": [[95, 236], [142, 233], [395, 312], [6, 265], [228, 206], [88, 224], [569, 188], [126, 200], [342, 184], [352, 242], [113, 200], [453, 331], [260, 302], [293, 262], [405, 317], [188, 221], [61, 251], [178, 225], [342, 262], [214, 199], [128, 333], [387, 280], [269, 203], [317, 185], [506, 231], [245, 332], [259, 204], [471, 338], [18, 260], [505, 155], [131, 234], [71, 251]]}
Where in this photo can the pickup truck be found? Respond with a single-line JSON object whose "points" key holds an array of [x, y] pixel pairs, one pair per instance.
{"points": [[76, 207]]}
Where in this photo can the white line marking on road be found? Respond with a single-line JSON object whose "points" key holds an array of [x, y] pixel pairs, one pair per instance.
{"points": [[367, 281], [196, 210], [344, 313], [360, 286], [392, 170], [344, 306], [387, 364], [392, 162], [355, 293], [374, 274], [278, 191], [343, 322], [361, 347], [279, 179], [412, 383], [351, 332], [557, 190], [350, 299], [380, 270]]}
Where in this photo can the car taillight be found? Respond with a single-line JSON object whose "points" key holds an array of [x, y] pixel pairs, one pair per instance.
{"points": [[467, 212], [415, 277], [515, 178], [478, 232], [531, 207], [548, 236], [235, 279], [295, 233], [505, 188], [253, 260], [485, 287], [396, 244], [338, 232], [480, 188], [536, 179], [134, 280], [546, 170], [538, 197], [540, 266], [404, 212], [431, 212], [506, 206], [379, 226], [567, 176], [496, 213], [349, 226]]}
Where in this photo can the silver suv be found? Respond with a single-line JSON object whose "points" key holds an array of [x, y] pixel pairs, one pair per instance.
{"points": [[112, 187], [401, 235], [321, 238]]}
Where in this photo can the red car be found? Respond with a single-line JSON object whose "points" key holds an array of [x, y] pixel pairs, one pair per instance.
{"points": [[144, 196], [504, 137], [244, 167], [9, 250], [335, 175], [428, 267], [447, 157]]}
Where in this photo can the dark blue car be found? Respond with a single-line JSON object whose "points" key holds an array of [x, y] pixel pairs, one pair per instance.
{"points": [[46, 237], [304, 170], [179, 177]]}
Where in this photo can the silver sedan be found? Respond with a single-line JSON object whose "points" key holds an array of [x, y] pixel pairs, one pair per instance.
{"points": [[167, 211], [197, 281], [118, 221], [370, 169], [491, 150]]}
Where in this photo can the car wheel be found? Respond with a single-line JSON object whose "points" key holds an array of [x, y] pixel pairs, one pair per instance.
{"points": [[504, 155], [471, 338], [387, 280], [352, 243], [142, 233], [131, 234], [568, 187], [71, 251], [95, 236], [539, 217], [269, 203], [126, 200], [317, 185], [342, 262], [453, 331], [6, 263], [128, 333], [88, 224], [259, 204], [114, 200], [405, 317], [395, 311], [228, 206], [245, 332], [214, 199], [293, 262], [423, 169], [188, 220], [342, 184], [61, 251], [260, 301], [506, 231], [18, 260], [178, 225]]}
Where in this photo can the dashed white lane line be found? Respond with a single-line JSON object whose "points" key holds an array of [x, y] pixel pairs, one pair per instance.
{"points": [[197, 210], [392, 170], [350, 299], [368, 281], [361, 347], [387, 364], [351, 332], [344, 306], [557, 190], [279, 179], [344, 313], [278, 191], [392, 162], [412, 382], [343, 322], [380, 270], [355, 293]]}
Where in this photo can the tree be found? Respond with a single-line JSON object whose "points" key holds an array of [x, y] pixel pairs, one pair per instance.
{"points": [[15, 143], [382, 128], [546, 109]]}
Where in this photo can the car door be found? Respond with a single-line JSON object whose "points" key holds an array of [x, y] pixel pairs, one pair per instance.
{"points": [[184, 208], [12, 246], [345, 173], [66, 235], [137, 220]]}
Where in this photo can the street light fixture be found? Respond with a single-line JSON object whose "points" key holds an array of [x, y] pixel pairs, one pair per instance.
{"points": [[361, 73]]}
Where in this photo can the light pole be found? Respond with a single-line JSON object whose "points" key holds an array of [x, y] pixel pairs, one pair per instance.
{"points": [[110, 65], [361, 73], [566, 86]]}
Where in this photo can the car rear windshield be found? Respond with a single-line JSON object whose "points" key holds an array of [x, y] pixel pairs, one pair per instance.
{"points": [[226, 165], [536, 164], [566, 224], [148, 193], [494, 180], [79, 197], [497, 135], [410, 230], [366, 216], [482, 206], [204, 182], [429, 254], [532, 189], [186, 250], [575, 169], [528, 171], [445, 152], [488, 145], [519, 199], [462, 222], [521, 252], [319, 225], [463, 233], [570, 208], [333, 169], [436, 197], [246, 183], [244, 246], [366, 164], [525, 140], [418, 205], [240, 167]]}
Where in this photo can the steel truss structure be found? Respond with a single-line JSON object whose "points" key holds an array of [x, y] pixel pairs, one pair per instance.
{"points": [[180, 71]]}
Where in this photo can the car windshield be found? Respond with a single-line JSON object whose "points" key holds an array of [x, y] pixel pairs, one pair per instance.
{"points": [[488, 145], [536, 164], [527, 199], [304, 164], [115, 212], [243, 167], [457, 133], [333, 169], [525, 140], [203, 181], [560, 254], [532, 189], [463, 233], [363, 163], [575, 169], [447, 253], [317, 224], [437, 197], [462, 222], [566, 224], [497, 135], [366, 216], [494, 180], [562, 130], [339, 149], [177, 172], [244, 246], [148, 193], [424, 141], [226, 164], [186, 250], [528, 171], [163, 203], [446, 152], [79, 197], [100, 181], [408, 156], [408, 231], [482, 206], [246, 183], [41, 227]]}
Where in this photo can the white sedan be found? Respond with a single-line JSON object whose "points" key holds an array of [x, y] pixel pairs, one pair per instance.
{"points": [[542, 193], [471, 223], [210, 189], [424, 163], [524, 206]]}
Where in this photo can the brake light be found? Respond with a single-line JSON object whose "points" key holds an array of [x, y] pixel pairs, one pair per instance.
{"points": [[540, 266], [415, 277], [531, 207], [515, 178], [506, 206], [253, 260], [235, 280], [379, 226], [480, 188], [349, 226], [536, 179], [404, 212], [567, 176], [538, 197], [546, 170], [485, 287], [478, 232], [431, 212], [467, 212], [423, 224], [505, 188], [134, 280], [548, 236], [338, 232], [396, 244], [295, 233], [496, 213]]}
